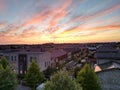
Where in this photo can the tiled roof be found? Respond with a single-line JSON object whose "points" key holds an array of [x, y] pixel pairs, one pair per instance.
{"points": [[57, 53], [106, 66], [72, 49], [107, 55], [109, 65], [107, 48], [106, 70]]}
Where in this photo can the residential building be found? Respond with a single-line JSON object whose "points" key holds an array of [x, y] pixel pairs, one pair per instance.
{"points": [[58, 56], [106, 54], [108, 75], [72, 52], [20, 60]]}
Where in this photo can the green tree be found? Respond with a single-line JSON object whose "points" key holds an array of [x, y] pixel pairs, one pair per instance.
{"points": [[76, 58], [61, 81], [88, 79], [76, 70], [34, 76], [4, 62], [8, 79], [49, 71]]}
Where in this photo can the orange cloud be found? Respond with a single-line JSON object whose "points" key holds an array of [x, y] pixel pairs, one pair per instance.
{"points": [[88, 25], [30, 32], [2, 25], [87, 32], [9, 33], [108, 27]]}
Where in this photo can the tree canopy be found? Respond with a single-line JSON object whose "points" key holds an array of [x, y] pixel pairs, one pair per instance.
{"points": [[61, 81], [4, 62], [34, 76], [88, 79], [8, 79], [49, 71]]}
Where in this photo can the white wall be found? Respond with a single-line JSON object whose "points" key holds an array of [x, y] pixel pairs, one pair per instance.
{"points": [[13, 62], [41, 59], [44, 60]]}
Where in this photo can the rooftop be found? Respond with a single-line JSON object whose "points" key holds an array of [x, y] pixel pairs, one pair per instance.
{"points": [[107, 66]]}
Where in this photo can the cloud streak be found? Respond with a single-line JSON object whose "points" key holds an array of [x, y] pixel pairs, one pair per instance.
{"points": [[63, 22]]}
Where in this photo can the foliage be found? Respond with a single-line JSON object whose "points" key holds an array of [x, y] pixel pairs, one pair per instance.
{"points": [[49, 71], [8, 79], [76, 58], [88, 79], [34, 76], [61, 81], [76, 70], [4, 62]]}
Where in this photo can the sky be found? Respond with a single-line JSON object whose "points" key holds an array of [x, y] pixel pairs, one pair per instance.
{"points": [[59, 21]]}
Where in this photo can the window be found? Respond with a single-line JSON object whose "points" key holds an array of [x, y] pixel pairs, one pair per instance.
{"points": [[6, 57], [45, 64], [15, 58], [49, 62], [11, 58], [31, 59]]}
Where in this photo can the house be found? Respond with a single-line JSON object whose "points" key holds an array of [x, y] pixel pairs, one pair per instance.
{"points": [[72, 52], [58, 56], [20, 60], [107, 53], [108, 75]]}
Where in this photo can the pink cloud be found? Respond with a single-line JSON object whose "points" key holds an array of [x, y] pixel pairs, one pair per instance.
{"points": [[10, 30], [107, 27], [56, 15], [30, 32], [2, 25]]}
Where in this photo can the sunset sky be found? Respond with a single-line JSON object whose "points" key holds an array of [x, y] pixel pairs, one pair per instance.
{"points": [[59, 21]]}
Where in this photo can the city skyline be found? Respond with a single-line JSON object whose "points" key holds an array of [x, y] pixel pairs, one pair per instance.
{"points": [[63, 21]]}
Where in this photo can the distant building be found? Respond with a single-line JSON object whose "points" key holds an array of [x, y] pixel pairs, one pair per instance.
{"points": [[92, 48], [20, 60], [72, 52]]}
